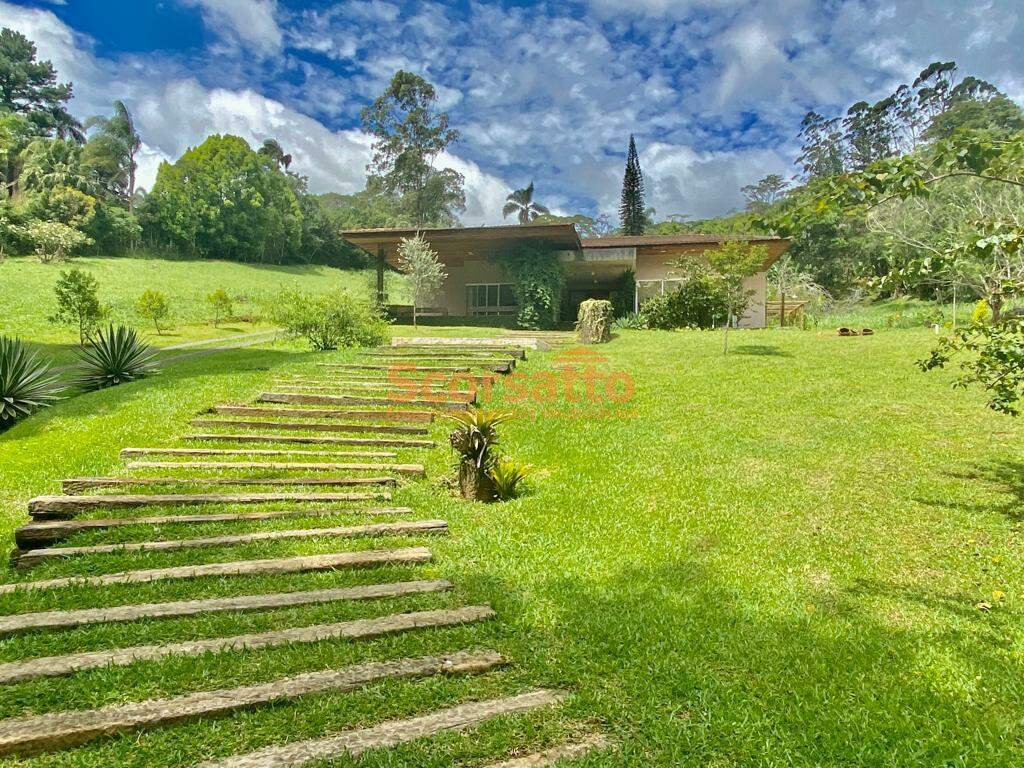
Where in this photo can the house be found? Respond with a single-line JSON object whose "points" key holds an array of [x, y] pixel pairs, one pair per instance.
{"points": [[594, 267]]}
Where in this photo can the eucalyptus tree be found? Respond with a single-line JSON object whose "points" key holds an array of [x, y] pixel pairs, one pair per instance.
{"points": [[521, 203]]}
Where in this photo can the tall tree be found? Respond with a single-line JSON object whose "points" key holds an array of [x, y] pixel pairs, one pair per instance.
{"points": [[763, 194], [821, 146], [112, 151], [272, 149], [521, 203], [409, 134], [29, 87], [632, 212]]}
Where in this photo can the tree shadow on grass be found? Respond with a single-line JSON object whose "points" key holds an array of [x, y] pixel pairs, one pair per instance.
{"points": [[760, 350], [1007, 477], [683, 668]]}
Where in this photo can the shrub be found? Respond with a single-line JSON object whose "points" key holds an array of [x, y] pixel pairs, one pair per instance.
{"points": [[153, 305], [982, 313], [329, 320], [700, 302], [52, 240], [78, 302], [633, 321], [538, 277], [221, 305], [507, 475], [594, 321], [25, 382], [474, 438], [114, 357]]}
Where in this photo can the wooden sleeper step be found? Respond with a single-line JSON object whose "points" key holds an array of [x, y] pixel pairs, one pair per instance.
{"points": [[359, 629], [289, 425], [243, 451], [455, 349], [57, 620], [45, 533], [303, 398], [39, 733], [355, 742], [32, 557], [75, 485], [301, 564], [394, 442], [427, 388], [549, 757], [325, 413], [401, 469], [68, 506]]}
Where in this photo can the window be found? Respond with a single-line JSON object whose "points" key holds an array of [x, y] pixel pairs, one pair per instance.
{"points": [[490, 299], [648, 289]]}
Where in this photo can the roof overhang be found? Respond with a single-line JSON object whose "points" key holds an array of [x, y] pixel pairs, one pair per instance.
{"points": [[457, 244]]}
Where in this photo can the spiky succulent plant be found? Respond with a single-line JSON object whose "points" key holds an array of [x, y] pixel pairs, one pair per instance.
{"points": [[26, 382], [114, 356]]}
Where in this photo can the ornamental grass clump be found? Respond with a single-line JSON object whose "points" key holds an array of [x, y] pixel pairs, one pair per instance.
{"points": [[26, 383], [113, 357]]}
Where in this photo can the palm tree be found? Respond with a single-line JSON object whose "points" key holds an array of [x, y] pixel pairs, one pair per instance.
{"points": [[272, 148], [118, 132], [521, 203]]}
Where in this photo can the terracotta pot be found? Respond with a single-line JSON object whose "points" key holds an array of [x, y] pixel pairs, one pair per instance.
{"points": [[474, 483]]}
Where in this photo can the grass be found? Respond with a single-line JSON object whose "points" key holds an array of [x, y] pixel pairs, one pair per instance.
{"points": [[27, 299], [774, 558]]}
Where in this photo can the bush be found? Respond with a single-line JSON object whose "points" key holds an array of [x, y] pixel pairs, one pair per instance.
{"points": [[153, 305], [52, 240], [701, 302], [538, 277], [594, 322], [114, 357], [221, 305], [329, 320], [78, 302], [25, 382], [982, 313]]}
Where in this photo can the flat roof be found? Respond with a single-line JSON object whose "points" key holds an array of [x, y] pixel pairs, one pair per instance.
{"points": [[455, 244], [632, 241]]}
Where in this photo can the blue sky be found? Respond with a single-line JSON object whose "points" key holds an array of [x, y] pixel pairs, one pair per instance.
{"points": [[713, 89]]}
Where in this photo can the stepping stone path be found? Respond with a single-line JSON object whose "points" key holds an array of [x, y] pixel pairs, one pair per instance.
{"points": [[388, 414]]}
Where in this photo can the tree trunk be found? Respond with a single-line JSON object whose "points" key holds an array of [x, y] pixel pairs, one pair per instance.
{"points": [[782, 309], [954, 307], [474, 483]]}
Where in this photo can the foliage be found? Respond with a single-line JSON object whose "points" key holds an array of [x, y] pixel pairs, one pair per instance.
{"points": [[271, 149], [994, 359], [593, 325], [587, 226], [25, 382], [53, 241], [426, 274], [29, 87], [699, 302], [409, 134], [633, 321], [115, 356], [982, 313], [153, 305], [762, 195], [538, 277], [223, 199], [786, 281], [624, 293], [111, 152], [50, 163], [521, 203], [221, 305], [329, 320], [507, 475], [476, 434], [632, 210], [78, 302]]}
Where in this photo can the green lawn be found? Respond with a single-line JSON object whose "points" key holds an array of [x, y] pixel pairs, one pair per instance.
{"points": [[27, 300], [774, 559]]}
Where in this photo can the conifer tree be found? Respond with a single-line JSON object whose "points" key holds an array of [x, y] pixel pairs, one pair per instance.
{"points": [[631, 209]]}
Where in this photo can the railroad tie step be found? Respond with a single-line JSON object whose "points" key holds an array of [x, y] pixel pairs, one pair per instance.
{"points": [[548, 757], [243, 437], [45, 533], [453, 349], [42, 733], [325, 413], [75, 485], [59, 620], [355, 742], [68, 506], [280, 565], [243, 451], [401, 469], [24, 560], [304, 398], [311, 427], [344, 386], [358, 629]]}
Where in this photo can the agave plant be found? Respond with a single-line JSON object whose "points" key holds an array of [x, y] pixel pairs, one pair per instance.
{"points": [[25, 382], [113, 357], [507, 475]]}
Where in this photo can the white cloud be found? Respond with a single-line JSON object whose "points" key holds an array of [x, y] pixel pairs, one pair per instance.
{"points": [[249, 23]]}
